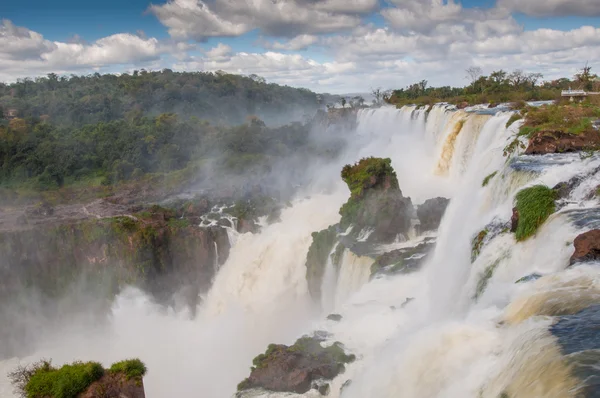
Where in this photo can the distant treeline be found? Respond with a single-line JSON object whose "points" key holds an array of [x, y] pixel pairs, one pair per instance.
{"points": [[499, 86], [218, 97]]}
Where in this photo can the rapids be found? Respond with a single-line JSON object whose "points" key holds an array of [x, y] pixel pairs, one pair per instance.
{"points": [[470, 332]]}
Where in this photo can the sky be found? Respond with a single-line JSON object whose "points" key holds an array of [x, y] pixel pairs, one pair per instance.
{"points": [[335, 46]]}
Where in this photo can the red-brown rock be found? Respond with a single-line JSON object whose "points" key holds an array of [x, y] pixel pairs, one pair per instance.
{"points": [[514, 220], [115, 385], [587, 247], [462, 105], [545, 142]]}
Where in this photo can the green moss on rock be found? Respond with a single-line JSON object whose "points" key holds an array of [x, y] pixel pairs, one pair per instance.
{"points": [[477, 244], [534, 206], [487, 179], [316, 259]]}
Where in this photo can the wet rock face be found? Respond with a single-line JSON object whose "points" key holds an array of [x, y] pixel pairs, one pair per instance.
{"points": [[545, 142], [587, 247], [296, 368], [431, 212], [403, 261]]}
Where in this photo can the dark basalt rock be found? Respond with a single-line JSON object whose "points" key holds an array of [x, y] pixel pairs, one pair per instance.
{"points": [[334, 317], [587, 247], [296, 368], [431, 212], [545, 142], [402, 261]]}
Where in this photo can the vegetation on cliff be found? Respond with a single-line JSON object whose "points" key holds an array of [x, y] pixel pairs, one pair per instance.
{"points": [[376, 200], [534, 205], [42, 380], [572, 118], [369, 173]]}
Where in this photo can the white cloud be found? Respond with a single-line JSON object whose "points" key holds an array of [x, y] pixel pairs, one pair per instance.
{"points": [[296, 44], [545, 8], [24, 52], [197, 19]]}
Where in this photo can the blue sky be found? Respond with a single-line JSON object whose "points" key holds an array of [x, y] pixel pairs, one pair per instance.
{"points": [[299, 42]]}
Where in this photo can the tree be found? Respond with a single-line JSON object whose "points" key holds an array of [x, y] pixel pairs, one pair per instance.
{"points": [[343, 102], [517, 78], [474, 73], [533, 78], [378, 94], [585, 77]]}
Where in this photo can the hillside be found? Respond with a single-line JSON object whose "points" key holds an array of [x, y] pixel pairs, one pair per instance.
{"points": [[217, 97]]}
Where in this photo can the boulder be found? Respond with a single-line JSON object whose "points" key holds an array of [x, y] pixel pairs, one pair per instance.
{"points": [[544, 142], [295, 369], [431, 212], [587, 247]]}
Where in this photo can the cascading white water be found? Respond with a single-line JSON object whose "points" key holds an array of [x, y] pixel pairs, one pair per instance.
{"points": [[442, 344]]}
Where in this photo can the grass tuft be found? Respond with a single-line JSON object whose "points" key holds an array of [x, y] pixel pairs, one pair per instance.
{"points": [[534, 205], [131, 368]]}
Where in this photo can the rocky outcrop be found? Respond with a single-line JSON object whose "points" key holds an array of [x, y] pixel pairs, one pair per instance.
{"points": [[376, 201], [403, 261], [115, 385], [587, 247], [297, 368], [544, 142], [431, 212], [79, 379], [164, 255]]}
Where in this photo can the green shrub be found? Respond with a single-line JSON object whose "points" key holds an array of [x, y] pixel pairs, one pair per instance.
{"points": [[369, 173], [534, 206], [131, 368], [67, 382]]}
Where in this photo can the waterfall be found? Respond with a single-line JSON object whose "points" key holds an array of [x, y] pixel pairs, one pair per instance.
{"points": [[470, 331]]}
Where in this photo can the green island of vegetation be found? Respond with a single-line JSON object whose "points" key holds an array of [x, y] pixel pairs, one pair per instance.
{"points": [[42, 380]]}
